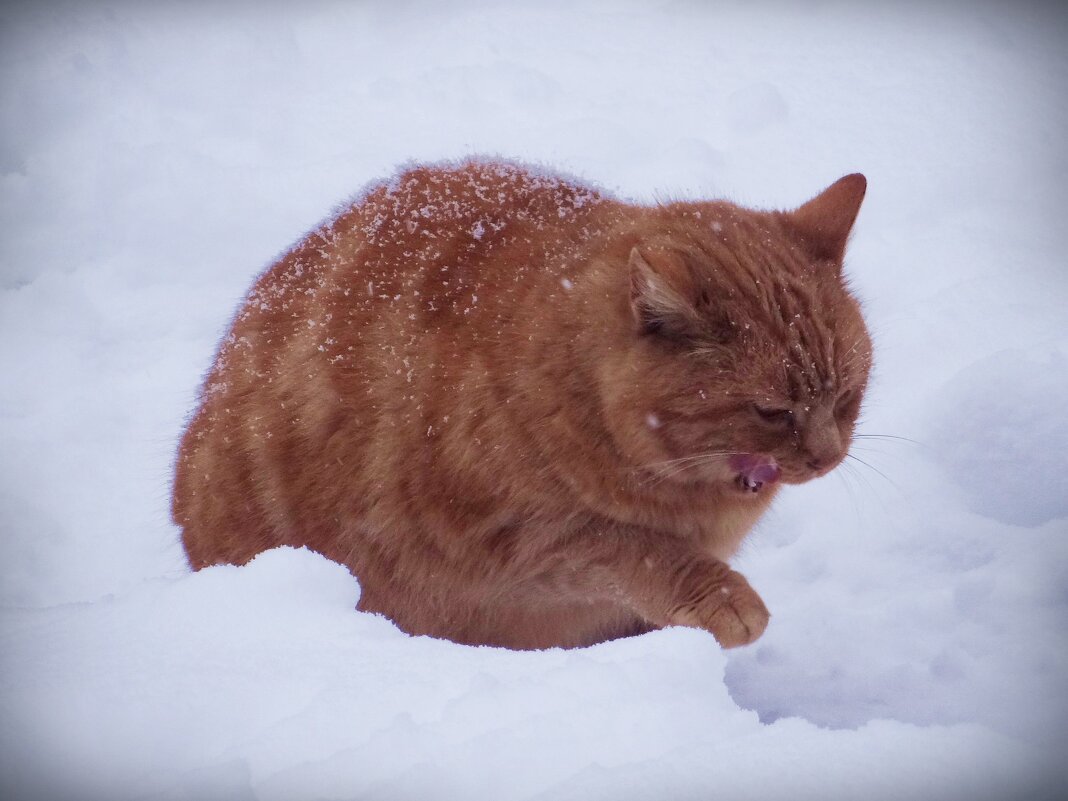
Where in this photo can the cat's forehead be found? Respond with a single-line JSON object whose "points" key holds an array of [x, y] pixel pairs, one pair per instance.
{"points": [[734, 236], [821, 350], [795, 318], [797, 310], [753, 253]]}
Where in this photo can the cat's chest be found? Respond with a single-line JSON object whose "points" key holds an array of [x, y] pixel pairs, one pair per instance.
{"points": [[721, 528]]}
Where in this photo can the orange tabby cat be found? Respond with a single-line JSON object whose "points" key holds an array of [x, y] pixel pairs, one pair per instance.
{"points": [[524, 413]]}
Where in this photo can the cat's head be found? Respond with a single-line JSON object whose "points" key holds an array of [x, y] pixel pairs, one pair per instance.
{"points": [[748, 357]]}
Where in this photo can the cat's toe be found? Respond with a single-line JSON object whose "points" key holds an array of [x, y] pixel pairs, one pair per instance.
{"points": [[740, 617]]}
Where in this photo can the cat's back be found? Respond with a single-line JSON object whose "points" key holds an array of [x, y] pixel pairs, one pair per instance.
{"points": [[445, 238], [476, 204], [373, 327], [433, 241]]}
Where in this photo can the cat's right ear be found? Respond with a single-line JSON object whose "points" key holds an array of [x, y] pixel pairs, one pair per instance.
{"points": [[825, 221], [657, 302]]}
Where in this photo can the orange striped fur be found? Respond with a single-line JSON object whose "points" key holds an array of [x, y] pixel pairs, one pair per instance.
{"points": [[524, 413]]}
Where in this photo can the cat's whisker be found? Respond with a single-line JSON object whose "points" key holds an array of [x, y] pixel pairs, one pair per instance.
{"points": [[888, 437], [673, 472], [844, 476], [871, 467], [692, 457], [879, 452], [859, 477], [663, 475], [869, 449], [673, 467], [660, 476], [703, 460]]}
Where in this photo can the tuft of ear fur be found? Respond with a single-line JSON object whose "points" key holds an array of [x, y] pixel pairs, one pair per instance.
{"points": [[658, 298], [825, 221]]}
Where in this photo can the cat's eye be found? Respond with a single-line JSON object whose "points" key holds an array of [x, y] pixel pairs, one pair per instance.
{"points": [[772, 414]]}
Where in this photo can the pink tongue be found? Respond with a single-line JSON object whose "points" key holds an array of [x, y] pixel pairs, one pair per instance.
{"points": [[755, 467], [765, 473]]}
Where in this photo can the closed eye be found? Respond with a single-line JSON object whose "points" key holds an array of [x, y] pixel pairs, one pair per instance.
{"points": [[774, 415]]}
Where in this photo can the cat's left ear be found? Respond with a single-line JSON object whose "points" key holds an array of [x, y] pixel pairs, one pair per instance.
{"points": [[825, 221], [660, 287]]}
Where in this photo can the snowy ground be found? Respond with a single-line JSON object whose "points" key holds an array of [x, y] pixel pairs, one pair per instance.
{"points": [[154, 157]]}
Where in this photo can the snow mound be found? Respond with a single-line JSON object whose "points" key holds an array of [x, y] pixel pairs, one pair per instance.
{"points": [[998, 440], [263, 682]]}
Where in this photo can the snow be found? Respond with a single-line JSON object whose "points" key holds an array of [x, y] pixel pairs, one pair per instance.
{"points": [[154, 157], [263, 666]]}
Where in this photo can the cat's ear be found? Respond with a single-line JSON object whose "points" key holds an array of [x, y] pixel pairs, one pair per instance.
{"points": [[825, 221], [658, 295]]}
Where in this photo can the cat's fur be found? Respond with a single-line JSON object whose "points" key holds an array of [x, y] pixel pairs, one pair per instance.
{"points": [[524, 413]]}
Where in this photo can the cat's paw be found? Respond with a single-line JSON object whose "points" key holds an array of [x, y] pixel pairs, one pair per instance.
{"points": [[731, 610], [740, 617]]}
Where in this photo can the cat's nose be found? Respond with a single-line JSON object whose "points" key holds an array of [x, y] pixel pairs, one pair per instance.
{"points": [[821, 458], [821, 441], [821, 463]]}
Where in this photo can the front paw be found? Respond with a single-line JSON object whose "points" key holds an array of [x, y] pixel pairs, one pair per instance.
{"points": [[730, 609]]}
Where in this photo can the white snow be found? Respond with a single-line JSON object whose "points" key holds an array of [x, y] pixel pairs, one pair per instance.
{"points": [[154, 157]]}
